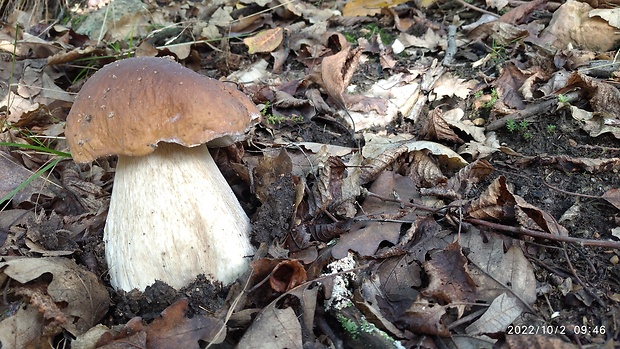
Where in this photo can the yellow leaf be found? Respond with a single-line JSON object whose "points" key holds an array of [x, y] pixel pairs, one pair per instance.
{"points": [[265, 41], [358, 8]]}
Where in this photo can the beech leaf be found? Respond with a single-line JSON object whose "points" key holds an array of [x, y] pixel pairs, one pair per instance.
{"points": [[265, 41]]}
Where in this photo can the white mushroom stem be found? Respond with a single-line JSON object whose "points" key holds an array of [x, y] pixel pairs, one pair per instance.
{"points": [[172, 217]]}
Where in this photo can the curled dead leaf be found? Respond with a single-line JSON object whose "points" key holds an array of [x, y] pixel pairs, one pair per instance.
{"points": [[287, 275], [337, 71]]}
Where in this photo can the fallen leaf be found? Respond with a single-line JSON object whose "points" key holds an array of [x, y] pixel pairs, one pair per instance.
{"points": [[273, 328], [337, 71], [424, 317], [519, 13], [174, 329], [424, 171], [449, 279], [491, 263], [13, 175], [85, 301], [287, 275], [613, 197], [364, 237], [337, 186], [499, 203], [381, 151], [498, 316], [265, 41], [430, 40], [22, 329], [572, 25], [357, 8], [118, 20], [611, 15], [436, 128]]}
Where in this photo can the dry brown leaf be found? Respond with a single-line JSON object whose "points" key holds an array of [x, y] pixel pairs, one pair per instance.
{"points": [[35, 91], [381, 151], [402, 24], [131, 335], [571, 164], [431, 40], [269, 169], [449, 279], [399, 277], [277, 327], [91, 196], [613, 197], [508, 86], [572, 25], [497, 4], [499, 315], [265, 41], [423, 170], [358, 8], [494, 263], [371, 311], [499, 203], [364, 104], [481, 150], [469, 175], [337, 71], [173, 329], [287, 275], [118, 20], [603, 97], [85, 301], [424, 317], [612, 16], [517, 14], [334, 191], [456, 119], [12, 175], [436, 128], [596, 123], [22, 329], [365, 236]]}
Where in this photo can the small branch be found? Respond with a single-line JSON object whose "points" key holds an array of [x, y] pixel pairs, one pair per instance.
{"points": [[572, 193], [587, 288], [478, 9], [542, 235], [451, 50], [532, 111]]}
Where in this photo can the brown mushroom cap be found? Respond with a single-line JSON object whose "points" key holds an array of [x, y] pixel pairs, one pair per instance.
{"points": [[129, 106]]}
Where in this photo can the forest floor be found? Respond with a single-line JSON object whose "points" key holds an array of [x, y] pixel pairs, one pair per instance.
{"points": [[429, 174]]}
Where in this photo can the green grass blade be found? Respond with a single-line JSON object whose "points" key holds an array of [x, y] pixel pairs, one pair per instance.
{"points": [[36, 147], [34, 176]]}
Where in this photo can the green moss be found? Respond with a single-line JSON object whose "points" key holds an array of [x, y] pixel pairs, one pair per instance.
{"points": [[349, 326]]}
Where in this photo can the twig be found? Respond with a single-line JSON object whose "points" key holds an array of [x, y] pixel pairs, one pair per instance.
{"points": [[579, 281], [475, 8], [543, 235], [532, 111], [230, 311], [525, 303], [451, 49], [591, 147], [572, 193]]}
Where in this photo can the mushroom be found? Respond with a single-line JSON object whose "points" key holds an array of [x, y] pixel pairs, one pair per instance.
{"points": [[172, 215]]}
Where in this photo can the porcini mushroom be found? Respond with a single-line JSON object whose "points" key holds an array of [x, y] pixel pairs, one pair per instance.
{"points": [[172, 214]]}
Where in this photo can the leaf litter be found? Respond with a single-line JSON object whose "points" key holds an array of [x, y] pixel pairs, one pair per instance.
{"points": [[453, 203]]}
